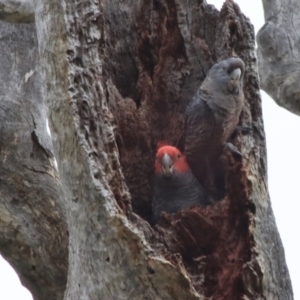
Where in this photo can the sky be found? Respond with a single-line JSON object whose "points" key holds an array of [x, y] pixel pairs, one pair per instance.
{"points": [[283, 149]]}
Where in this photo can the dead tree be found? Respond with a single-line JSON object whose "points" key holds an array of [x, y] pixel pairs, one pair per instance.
{"points": [[114, 78]]}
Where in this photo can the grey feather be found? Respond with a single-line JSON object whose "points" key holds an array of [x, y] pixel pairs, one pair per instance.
{"points": [[212, 116]]}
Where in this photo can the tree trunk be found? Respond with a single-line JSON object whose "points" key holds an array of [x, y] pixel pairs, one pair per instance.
{"points": [[278, 53], [117, 77], [33, 228]]}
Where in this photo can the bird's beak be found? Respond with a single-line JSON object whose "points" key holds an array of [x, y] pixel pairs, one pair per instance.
{"points": [[236, 74], [167, 165]]}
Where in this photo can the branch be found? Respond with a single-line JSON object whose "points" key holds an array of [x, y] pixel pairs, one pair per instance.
{"points": [[278, 53]]}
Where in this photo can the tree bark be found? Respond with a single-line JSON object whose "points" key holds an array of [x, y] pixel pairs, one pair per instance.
{"points": [[33, 228], [117, 77], [278, 53], [17, 11]]}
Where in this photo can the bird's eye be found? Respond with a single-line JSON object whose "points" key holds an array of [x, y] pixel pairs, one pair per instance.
{"points": [[178, 156]]}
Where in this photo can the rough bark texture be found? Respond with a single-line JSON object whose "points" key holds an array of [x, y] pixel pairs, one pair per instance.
{"points": [[117, 77], [17, 11], [278, 53], [33, 229]]}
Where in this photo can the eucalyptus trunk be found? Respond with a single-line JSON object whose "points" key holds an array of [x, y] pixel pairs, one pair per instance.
{"points": [[114, 79]]}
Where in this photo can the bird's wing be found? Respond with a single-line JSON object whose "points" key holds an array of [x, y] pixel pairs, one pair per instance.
{"points": [[199, 125]]}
